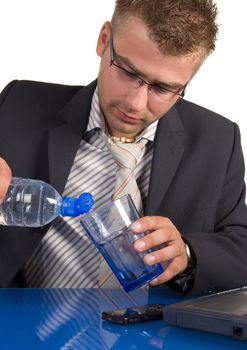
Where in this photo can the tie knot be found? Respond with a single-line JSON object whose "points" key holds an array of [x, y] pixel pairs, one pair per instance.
{"points": [[126, 155]]}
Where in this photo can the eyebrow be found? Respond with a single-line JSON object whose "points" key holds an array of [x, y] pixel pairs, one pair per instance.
{"points": [[130, 65]]}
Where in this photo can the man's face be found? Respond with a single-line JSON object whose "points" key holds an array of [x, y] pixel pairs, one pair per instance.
{"points": [[129, 108]]}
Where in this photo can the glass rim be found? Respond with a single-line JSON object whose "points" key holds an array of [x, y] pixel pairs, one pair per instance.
{"points": [[107, 206]]}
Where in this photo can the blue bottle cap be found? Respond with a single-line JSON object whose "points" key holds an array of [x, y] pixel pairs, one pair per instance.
{"points": [[77, 206]]}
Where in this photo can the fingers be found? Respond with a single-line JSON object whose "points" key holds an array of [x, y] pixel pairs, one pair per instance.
{"points": [[162, 232], [165, 254], [5, 178], [171, 270], [173, 258], [149, 223], [167, 246], [155, 238]]}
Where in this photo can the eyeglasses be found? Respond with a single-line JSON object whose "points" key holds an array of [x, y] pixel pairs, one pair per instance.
{"points": [[159, 93]]}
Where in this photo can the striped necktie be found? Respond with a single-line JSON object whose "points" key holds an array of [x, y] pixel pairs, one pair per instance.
{"points": [[127, 156]]}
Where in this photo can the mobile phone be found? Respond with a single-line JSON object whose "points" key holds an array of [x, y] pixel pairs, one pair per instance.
{"points": [[135, 314]]}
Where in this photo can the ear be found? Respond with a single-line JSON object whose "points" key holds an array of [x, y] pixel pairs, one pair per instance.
{"points": [[103, 38]]}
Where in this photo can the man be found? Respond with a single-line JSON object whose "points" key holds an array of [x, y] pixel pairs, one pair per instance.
{"points": [[190, 174]]}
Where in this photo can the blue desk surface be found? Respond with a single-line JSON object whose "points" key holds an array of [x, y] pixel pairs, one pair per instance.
{"points": [[66, 319]]}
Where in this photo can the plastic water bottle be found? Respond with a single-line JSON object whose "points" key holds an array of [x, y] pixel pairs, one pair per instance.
{"points": [[35, 203]]}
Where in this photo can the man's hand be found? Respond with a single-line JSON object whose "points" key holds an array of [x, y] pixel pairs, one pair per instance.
{"points": [[5, 178], [172, 254]]}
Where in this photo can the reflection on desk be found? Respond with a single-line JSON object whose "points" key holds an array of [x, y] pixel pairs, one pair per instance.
{"points": [[66, 319]]}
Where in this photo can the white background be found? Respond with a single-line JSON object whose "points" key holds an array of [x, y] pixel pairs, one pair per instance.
{"points": [[54, 40]]}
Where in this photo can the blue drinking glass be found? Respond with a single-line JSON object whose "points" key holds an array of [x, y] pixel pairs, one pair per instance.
{"points": [[109, 229]]}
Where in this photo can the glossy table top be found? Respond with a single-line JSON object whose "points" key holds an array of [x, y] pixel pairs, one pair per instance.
{"points": [[67, 319]]}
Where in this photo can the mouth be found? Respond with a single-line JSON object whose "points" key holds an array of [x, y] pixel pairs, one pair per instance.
{"points": [[127, 118]]}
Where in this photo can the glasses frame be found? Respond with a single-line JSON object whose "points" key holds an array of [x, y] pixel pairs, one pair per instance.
{"points": [[141, 81]]}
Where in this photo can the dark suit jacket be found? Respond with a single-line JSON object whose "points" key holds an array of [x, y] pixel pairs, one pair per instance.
{"points": [[197, 176]]}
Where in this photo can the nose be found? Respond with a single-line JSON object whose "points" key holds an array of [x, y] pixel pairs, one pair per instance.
{"points": [[137, 97]]}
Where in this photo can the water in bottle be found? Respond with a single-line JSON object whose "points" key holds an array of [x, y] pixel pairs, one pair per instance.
{"points": [[35, 203]]}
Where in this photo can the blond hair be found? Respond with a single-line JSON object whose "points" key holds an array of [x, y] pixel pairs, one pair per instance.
{"points": [[179, 27]]}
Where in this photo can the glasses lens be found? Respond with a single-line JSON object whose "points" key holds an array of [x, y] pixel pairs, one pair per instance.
{"points": [[157, 93]]}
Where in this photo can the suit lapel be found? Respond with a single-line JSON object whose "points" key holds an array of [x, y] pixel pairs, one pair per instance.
{"points": [[168, 152], [64, 140]]}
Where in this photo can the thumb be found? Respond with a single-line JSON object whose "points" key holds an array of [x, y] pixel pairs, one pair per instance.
{"points": [[5, 178]]}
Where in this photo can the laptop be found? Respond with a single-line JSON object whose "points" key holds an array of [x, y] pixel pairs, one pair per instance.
{"points": [[222, 313]]}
